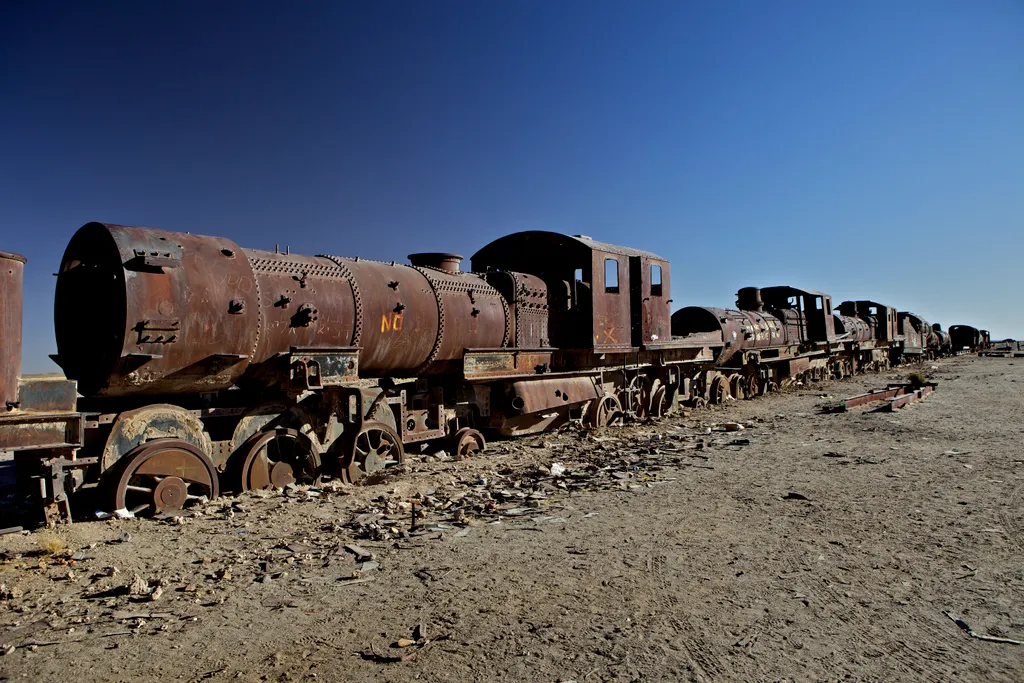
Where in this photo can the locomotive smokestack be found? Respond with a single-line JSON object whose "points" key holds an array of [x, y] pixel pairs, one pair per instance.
{"points": [[749, 299], [437, 260]]}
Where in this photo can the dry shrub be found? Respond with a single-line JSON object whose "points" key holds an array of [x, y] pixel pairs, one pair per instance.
{"points": [[50, 543], [917, 379]]}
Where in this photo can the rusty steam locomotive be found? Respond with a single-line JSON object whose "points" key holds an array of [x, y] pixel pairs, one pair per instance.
{"points": [[193, 366]]}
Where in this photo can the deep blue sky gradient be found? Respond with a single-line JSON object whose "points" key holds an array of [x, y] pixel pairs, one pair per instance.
{"points": [[867, 149]]}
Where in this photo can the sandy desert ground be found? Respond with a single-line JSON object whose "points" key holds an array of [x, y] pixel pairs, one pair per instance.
{"points": [[808, 546]]}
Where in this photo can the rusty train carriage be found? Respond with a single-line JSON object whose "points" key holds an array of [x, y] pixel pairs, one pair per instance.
{"points": [[205, 367], [964, 338]]}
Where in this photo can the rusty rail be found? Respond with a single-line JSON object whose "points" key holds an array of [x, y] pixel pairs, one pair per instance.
{"points": [[906, 398], [898, 396]]}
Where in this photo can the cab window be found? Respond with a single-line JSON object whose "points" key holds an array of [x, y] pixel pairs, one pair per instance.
{"points": [[655, 280], [611, 276]]}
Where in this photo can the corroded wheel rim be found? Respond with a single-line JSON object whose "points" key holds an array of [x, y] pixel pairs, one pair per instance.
{"points": [[605, 412], [468, 442], [659, 402], [719, 390], [163, 476], [634, 397], [753, 386], [736, 387], [374, 448], [278, 457]]}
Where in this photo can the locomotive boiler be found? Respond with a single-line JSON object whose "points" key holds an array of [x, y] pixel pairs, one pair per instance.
{"points": [[171, 313]]}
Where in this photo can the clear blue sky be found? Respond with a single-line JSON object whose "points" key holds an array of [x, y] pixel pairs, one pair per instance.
{"points": [[867, 149]]}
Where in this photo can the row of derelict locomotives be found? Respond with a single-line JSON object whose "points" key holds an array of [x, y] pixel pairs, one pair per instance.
{"points": [[194, 367]]}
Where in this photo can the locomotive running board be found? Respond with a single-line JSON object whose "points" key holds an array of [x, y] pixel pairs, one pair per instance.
{"points": [[897, 395]]}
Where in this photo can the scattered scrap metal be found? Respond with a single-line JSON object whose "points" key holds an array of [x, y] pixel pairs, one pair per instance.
{"points": [[523, 494], [894, 395]]}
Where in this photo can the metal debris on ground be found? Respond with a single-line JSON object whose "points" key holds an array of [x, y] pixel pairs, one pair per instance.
{"points": [[631, 462], [895, 395]]}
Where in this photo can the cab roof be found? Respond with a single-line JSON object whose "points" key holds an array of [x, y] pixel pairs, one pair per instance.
{"points": [[543, 245]]}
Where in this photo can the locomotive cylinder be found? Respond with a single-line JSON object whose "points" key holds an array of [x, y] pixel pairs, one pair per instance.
{"points": [[142, 311], [11, 283]]}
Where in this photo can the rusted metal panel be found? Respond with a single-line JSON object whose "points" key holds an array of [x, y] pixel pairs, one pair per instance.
{"points": [[533, 396], [649, 293], [22, 431], [612, 329], [798, 365], [329, 367], [47, 393], [304, 302], [11, 274], [502, 363]]}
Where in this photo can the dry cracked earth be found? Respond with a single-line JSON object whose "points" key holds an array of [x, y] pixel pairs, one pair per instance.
{"points": [[808, 546]]}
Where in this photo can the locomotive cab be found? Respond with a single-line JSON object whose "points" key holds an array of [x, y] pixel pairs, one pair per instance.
{"points": [[807, 313], [599, 296], [915, 331], [883, 319]]}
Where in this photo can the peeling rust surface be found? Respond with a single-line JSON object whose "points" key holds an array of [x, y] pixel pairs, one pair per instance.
{"points": [[534, 396], [21, 431], [11, 274], [138, 426]]}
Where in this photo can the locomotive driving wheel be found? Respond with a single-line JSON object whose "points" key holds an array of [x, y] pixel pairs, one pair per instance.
{"points": [[163, 476], [737, 386], [635, 395], [374, 448], [604, 412], [657, 405], [718, 392], [278, 457], [752, 384], [467, 442]]}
